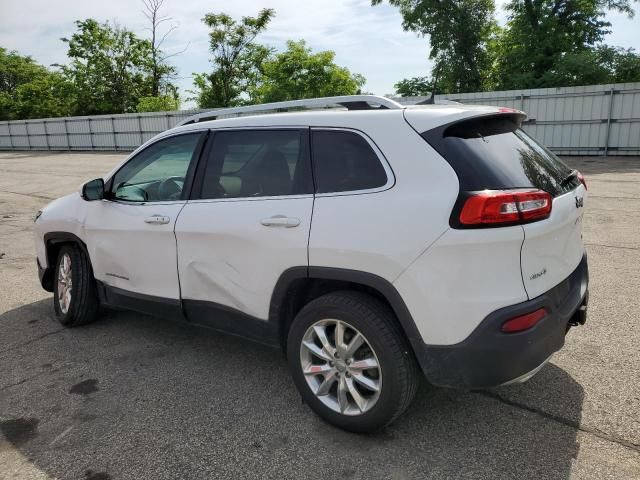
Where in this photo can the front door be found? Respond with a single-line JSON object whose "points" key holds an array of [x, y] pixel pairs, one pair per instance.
{"points": [[130, 234]]}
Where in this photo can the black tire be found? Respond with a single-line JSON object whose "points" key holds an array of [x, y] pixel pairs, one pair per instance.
{"points": [[374, 319], [83, 307]]}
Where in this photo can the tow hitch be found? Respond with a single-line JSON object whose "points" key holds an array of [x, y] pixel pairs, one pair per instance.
{"points": [[580, 315]]}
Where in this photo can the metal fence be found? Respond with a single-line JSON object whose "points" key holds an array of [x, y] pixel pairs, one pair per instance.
{"points": [[591, 120], [99, 132]]}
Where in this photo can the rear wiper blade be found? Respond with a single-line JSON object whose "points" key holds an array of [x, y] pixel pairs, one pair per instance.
{"points": [[573, 174]]}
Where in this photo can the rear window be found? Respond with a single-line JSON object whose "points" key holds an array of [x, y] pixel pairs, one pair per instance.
{"points": [[494, 153]]}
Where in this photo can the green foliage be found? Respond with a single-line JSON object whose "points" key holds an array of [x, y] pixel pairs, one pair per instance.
{"points": [[458, 31], [29, 90], [593, 66], [109, 68], [544, 42], [298, 73], [49, 95], [237, 59], [414, 87], [162, 103]]}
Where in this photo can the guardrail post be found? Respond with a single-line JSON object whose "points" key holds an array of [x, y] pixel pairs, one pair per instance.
{"points": [[10, 137], [46, 134], [140, 129], [608, 132], [91, 135], [66, 134], [26, 129], [115, 137]]}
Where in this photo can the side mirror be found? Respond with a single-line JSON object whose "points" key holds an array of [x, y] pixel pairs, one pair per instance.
{"points": [[93, 190]]}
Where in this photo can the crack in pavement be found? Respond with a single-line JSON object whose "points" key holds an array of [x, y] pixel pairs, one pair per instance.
{"points": [[614, 197], [564, 421], [28, 379], [606, 180], [33, 195], [33, 340], [611, 246]]}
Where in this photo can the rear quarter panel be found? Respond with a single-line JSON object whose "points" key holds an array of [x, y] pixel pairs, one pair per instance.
{"points": [[383, 232], [462, 278]]}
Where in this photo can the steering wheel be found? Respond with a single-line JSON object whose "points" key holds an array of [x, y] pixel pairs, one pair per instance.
{"points": [[170, 189]]}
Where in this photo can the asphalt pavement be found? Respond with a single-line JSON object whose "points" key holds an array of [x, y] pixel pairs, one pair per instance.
{"points": [[137, 397]]}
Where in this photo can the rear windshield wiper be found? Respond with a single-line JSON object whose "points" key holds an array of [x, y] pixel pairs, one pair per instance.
{"points": [[573, 174]]}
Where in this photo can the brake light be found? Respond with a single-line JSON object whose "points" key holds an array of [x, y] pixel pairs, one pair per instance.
{"points": [[523, 322], [495, 207], [582, 180]]}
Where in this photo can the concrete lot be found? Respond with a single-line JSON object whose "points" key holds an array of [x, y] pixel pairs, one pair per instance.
{"points": [[135, 397]]}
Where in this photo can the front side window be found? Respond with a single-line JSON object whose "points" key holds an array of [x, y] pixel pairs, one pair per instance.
{"points": [[344, 161], [257, 163], [157, 174]]}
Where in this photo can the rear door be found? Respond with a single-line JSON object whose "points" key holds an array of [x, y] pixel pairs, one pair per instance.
{"points": [[249, 223], [492, 152]]}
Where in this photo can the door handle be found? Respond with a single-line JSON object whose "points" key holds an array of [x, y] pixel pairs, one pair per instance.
{"points": [[157, 220], [280, 221]]}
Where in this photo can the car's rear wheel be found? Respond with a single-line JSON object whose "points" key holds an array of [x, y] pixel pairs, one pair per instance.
{"points": [[75, 299], [350, 361]]}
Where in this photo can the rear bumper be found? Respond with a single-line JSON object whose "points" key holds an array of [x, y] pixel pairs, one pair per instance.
{"points": [[489, 357]]}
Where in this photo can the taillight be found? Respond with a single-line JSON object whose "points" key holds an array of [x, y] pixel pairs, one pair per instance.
{"points": [[523, 322], [582, 180], [496, 207]]}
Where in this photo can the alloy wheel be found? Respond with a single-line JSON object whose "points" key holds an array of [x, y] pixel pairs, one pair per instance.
{"points": [[340, 367], [64, 283]]}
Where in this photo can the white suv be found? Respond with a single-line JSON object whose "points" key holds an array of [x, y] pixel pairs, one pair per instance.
{"points": [[368, 242]]}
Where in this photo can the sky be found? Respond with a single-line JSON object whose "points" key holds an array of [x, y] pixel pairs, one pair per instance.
{"points": [[367, 40]]}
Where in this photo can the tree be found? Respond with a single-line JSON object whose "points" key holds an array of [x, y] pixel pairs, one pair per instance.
{"points": [[109, 68], [626, 65], [49, 95], [414, 87], [237, 59], [162, 103], [161, 71], [603, 64], [299, 73], [458, 31], [543, 37], [29, 90]]}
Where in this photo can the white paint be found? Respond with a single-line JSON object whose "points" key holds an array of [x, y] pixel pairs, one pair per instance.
{"points": [[449, 279]]}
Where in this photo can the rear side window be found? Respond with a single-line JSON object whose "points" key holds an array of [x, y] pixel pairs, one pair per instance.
{"points": [[494, 153], [257, 163], [344, 161]]}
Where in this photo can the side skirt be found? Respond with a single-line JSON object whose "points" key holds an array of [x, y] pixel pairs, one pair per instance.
{"points": [[196, 312], [124, 299], [229, 320]]}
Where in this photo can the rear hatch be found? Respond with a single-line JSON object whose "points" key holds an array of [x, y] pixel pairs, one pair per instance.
{"points": [[493, 156]]}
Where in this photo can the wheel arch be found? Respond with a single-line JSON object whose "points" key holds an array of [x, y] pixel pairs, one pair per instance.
{"points": [[297, 286], [53, 241]]}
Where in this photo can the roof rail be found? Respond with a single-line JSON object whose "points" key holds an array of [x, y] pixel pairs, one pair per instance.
{"points": [[350, 102]]}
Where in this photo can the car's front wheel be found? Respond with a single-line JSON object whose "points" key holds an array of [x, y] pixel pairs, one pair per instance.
{"points": [[75, 299], [350, 361]]}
